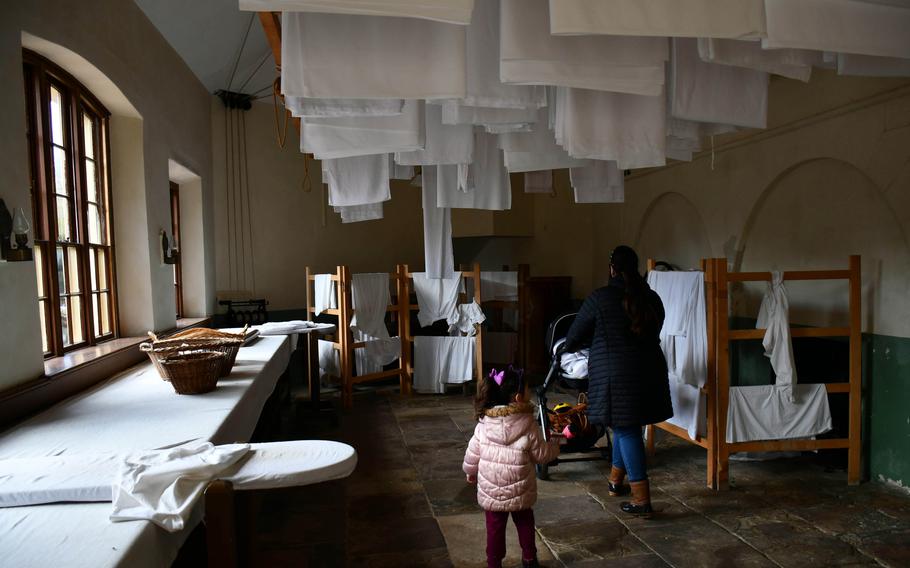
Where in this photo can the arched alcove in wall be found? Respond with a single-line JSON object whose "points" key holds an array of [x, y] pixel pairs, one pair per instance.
{"points": [[673, 231], [813, 216]]}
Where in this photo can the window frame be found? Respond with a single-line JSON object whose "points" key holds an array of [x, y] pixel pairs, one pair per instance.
{"points": [[77, 104], [175, 234]]}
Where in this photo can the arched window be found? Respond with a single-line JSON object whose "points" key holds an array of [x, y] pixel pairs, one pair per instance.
{"points": [[71, 199]]}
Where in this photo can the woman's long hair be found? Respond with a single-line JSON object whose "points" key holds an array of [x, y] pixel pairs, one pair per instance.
{"points": [[624, 262]]}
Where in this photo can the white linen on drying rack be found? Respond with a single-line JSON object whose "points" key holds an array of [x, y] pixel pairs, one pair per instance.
{"points": [[599, 125], [706, 92], [464, 318], [442, 360], [329, 359], [765, 412], [529, 55], [842, 26], [599, 182], [486, 180], [683, 18], [445, 143], [358, 213], [437, 298], [324, 294], [438, 255], [870, 66], [395, 58], [370, 300], [307, 107], [359, 180], [344, 137], [539, 181], [447, 11], [774, 318], [793, 63]]}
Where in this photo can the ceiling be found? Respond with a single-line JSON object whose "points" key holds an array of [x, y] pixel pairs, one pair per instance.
{"points": [[208, 35]]}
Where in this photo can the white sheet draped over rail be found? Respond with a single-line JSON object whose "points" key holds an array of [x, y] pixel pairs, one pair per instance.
{"points": [[444, 143], [765, 412], [793, 63], [346, 137], [599, 182], [774, 318], [448, 11]]}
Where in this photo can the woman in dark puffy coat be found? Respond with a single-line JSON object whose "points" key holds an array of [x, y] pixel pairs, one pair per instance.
{"points": [[628, 386]]}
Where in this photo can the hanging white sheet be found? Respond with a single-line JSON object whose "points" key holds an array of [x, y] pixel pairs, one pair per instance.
{"points": [[705, 92], [360, 180], [599, 182], [396, 58], [449, 193], [442, 360], [628, 129], [437, 298], [486, 180], [438, 256], [869, 66], [448, 11], [370, 300], [358, 213], [539, 182], [842, 26], [499, 285], [344, 137], [454, 112], [464, 318], [682, 18], [535, 150], [306, 107], [765, 412], [529, 55], [397, 171], [324, 295], [445, 143], [793, 63], [329, 359], [774, 318]]}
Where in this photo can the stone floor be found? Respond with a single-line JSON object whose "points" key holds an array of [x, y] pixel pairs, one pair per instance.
{"points": [[407, 504]]}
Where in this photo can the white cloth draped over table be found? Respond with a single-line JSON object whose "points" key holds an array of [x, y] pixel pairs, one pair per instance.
{"points": [[324, 294], [793, 63], [395, 58], [539, 182], [437, 298], [706, 92], [530, 55], [344, 137], [684, 341], [445, 143], [442, 360], [683, 18], [842, 26], [448, 11], [370, 300], [359, 180], [464, 318], [774, 318], [438, 255], [600, 182], [307, 107]]}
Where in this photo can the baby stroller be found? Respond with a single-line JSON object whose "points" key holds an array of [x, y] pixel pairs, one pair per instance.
{"points": [[585, 436]]}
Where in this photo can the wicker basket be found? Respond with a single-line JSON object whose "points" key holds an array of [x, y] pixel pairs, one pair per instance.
{"points": [[193, 373], [160, 349]]}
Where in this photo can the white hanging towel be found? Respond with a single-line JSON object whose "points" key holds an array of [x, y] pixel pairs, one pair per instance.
{"points": [[397, 171], [793, 63], [449, 193], [529, 55], [705, 92], [358, 213], [324, 295], [599, 182], [486, 179], [765, 412], [329, 359], [437, 298], [438, 256], [445, 143], [484, 89], [499, 285], [454, 112], [774, 318], [598, 125], [162, 486], [843, 26], [344, 137], [869, 66], [539, 182], [306, 107], [447, 11], [370, 300], [359, 180], [464, 318], [681, 18], [442, 360], [395, 58]]}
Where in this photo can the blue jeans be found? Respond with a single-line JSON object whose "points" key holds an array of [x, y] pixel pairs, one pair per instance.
{"points": [[629, 452]]}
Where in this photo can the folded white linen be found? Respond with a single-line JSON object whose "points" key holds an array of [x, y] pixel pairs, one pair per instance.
{"points": [[436, 297], [324, 294], [444, 143], [681, 18], [51, 479], [529, 55], [359, 180], [454, 112], [438, 255], [447, 11], [499, 285], [706, 92], [307, 107], [396, 58], [329, 359], [283, 327], [344, 137], [600, 182], [765, 412], [464, 318], [539, 182], [358, 213], [869, 66], [774, 318], [598, 125], [162, 486], [575, 365], [442, 360], [842, 26], [793, 63]]}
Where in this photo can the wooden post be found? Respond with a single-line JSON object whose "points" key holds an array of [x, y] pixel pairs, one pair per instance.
{"points": [[723, 374], [404, 329], [220, 528], [344, 330], [856, 370], [309, 295], [709, 267], [650, 429], [478, 339]]}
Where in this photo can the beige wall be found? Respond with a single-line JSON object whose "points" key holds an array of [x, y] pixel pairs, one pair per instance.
{"points": [[112, 43]]}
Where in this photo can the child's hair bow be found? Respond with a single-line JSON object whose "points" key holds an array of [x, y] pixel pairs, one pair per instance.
{"points": [[498, 377]]}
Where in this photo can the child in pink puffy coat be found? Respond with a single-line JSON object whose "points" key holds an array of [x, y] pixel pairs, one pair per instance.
{"points": [[500, 459]]}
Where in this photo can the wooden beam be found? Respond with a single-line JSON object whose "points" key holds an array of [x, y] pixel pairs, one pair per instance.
{"points": [[271, 25]]}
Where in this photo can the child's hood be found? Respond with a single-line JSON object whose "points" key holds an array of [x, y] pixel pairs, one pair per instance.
{"points": [[505, 424]]}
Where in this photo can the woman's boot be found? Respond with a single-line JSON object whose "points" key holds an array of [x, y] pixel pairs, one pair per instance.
{"points": [[615, 486], [640, 505]]}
